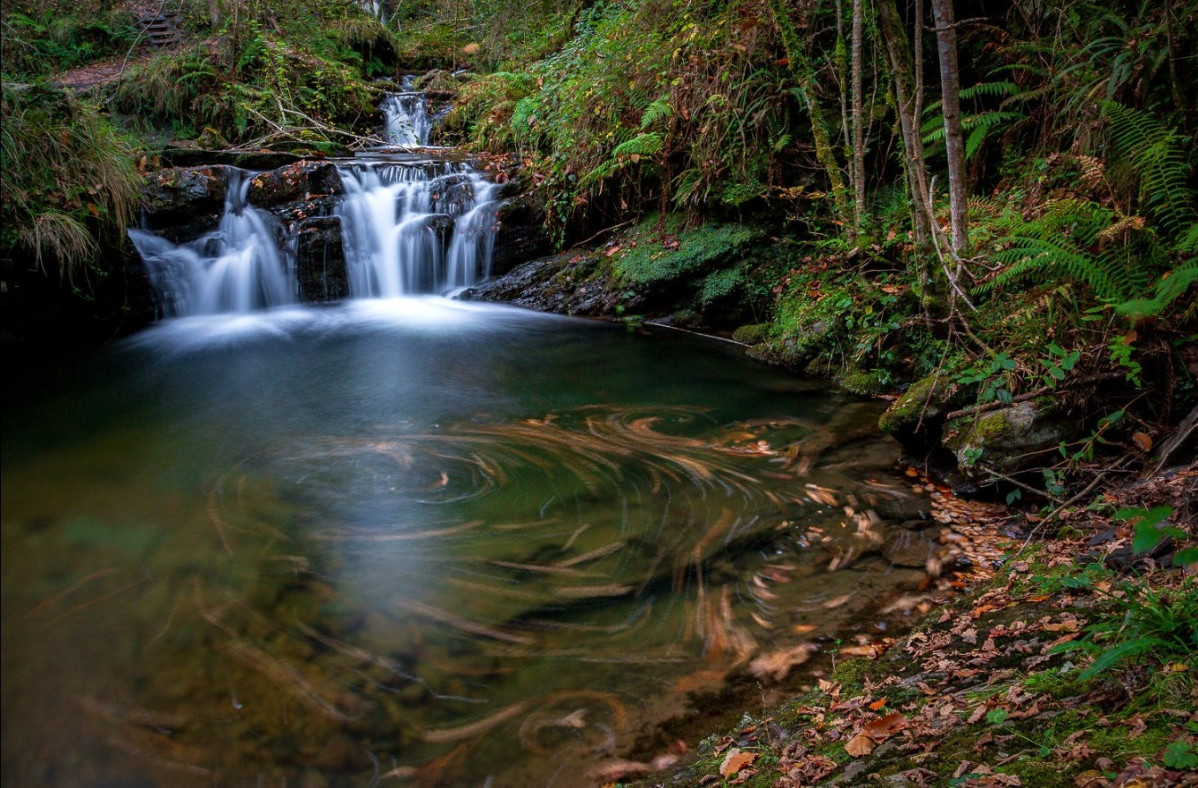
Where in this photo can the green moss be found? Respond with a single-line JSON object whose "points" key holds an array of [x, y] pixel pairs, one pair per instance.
{"points": [[645, 259], [925, 397], [752, 334], [860, 381]]}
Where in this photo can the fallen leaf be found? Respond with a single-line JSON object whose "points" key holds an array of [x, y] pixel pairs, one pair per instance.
{"points": [[859, 745], [883, 728], [736, 760]]}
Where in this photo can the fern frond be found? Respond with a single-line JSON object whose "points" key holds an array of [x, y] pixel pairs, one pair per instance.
{"points": [[1054, 261], [647, 144], [996, 89], [658, 110], [1156, 153], [1170, 287], [980, 126]]}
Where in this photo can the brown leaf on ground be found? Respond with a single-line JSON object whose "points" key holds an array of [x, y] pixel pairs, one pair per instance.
{"points": [[736, 760], [883, 728], [860, 745]]}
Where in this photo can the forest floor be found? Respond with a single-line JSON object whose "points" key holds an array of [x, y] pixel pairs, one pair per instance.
{"points": [[994, 689]]}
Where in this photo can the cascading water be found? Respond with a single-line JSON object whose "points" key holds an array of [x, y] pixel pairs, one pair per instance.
{"points": [[395, 218], [408, 227], [236, 268], [408, 124]]}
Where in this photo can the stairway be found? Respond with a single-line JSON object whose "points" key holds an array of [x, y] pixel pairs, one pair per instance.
{"points": [[160, 28]]}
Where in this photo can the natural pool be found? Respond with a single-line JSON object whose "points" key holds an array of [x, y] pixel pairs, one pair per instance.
{"points": [[415, 541]]}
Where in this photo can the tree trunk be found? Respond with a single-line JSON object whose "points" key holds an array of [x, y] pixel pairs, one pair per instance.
{"points": [[858, 133], [898, 53], [954, 139], [804, 74]]}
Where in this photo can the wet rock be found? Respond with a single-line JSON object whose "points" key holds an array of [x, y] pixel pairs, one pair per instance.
{"points": [[521, 233], [916, 419], [192, 156], [294, 182], [320, 260], [1007, 440], [184, 196]]}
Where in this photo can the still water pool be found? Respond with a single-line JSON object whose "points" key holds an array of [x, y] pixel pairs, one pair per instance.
{"points": [[415, 541]]}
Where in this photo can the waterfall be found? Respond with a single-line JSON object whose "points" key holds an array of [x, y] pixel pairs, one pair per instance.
{"points": [[409, 226], [408, 124], [424, 227], [236, 268]]}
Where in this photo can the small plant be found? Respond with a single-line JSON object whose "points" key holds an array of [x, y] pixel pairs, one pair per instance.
{"points": [[1146, 620], [995, 378]]}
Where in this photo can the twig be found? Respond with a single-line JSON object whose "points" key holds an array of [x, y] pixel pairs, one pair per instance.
{"points": [[604, 230], [991, 406]]}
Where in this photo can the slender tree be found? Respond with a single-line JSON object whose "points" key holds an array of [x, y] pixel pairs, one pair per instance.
{"points": [[906, 99], [954, 139], [804, 74], [858, 133]]}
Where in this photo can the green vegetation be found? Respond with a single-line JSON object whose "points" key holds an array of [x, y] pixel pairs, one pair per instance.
{"points": [[80, 187]]}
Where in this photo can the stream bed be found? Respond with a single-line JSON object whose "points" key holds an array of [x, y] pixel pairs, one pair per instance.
{"points": [[418, 541]]}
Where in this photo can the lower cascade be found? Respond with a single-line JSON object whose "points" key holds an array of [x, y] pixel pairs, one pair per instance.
{"points": [[415, 228], [238, 267], [408, 228]]}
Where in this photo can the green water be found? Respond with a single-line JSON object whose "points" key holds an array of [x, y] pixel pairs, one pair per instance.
{"points": [[415, 542]]}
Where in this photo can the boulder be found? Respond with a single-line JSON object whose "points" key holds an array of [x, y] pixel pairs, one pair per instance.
{"points": [[181, 195], [320, 269], [1006, 441], [916, 419], [293, 183], [521, 233]]}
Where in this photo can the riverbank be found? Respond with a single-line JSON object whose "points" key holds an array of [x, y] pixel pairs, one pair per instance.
{"points": [[1072, 665], [1065, 659]]}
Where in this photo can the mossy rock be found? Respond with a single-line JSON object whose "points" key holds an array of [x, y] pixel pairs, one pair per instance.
{"points": [[752, 334], [855, 380], [917, 417], [1008, 440]]}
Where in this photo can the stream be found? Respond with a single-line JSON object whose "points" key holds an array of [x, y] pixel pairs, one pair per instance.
{"points": [[410, 540]]}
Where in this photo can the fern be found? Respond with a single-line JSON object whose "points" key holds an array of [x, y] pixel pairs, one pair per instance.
{"points": [[658, 110], [1155, 152], [1167, 290], [1032, 257], [1081, 241], [647, 144]]}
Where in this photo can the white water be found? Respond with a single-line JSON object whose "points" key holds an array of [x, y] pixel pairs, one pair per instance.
{"points": [[408, 124], [236, 268], [423, 226], [427, 227]]}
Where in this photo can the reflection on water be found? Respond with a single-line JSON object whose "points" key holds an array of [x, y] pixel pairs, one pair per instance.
{"points": [[426, 541]]}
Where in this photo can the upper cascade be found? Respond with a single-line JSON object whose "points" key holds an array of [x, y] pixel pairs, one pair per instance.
{"points": [[421, 227], [407, 122]]}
